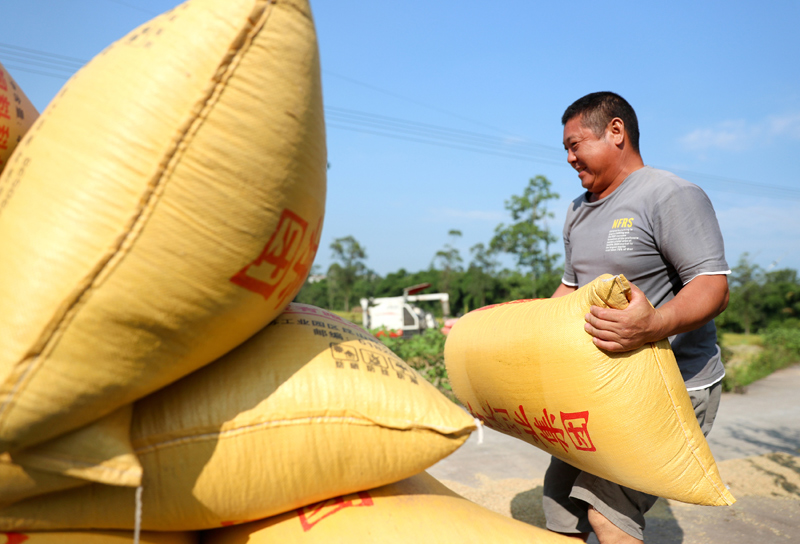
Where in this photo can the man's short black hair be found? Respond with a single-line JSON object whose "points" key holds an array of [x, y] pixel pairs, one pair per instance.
{"points": [[598, 109]]}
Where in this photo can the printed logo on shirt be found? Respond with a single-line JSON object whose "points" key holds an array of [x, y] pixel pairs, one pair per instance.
{"points": [[620, 237]]}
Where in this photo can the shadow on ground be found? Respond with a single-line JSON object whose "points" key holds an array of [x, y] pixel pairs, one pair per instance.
{"points": [[662, 526]]}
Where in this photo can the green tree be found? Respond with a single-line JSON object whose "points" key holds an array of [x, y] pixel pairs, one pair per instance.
{"points": [[528, 237], [479, 279], [780, 299], [745, 303], [448, 260], [314, 293], [343, 274]]}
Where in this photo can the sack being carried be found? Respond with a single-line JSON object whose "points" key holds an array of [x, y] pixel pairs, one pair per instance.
{"points": [[530, 370]]}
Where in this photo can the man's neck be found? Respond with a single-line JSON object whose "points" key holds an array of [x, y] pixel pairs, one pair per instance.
{"points": [[627, 167]]}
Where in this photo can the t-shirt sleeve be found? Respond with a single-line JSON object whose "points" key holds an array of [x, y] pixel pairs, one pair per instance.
{"points": [[569, 277], [688, 233]]}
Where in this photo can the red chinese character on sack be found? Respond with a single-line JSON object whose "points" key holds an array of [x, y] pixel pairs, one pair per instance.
{"points": [[5, 107], [303, 266], [14, 538], [263, 275], [576, 424], [549, 432], [4, 134], [521, 419], [313, 514], [507, 424], [299, 308], [487, 416]]}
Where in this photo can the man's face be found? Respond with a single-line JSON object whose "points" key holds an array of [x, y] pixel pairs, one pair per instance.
{"points": [[594, 158]]}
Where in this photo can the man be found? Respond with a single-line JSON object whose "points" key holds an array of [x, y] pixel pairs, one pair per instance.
{"points": [[661, 232]]}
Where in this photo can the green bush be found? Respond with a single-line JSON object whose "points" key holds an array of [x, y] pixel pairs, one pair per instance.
{"points": [[425, 354], [781, 349]]}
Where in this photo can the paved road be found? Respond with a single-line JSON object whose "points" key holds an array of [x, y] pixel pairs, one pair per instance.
{"points": [[755, 440]]}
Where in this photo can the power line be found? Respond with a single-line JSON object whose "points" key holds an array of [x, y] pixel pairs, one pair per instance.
{"points": [[63, 58], [39, 62], [39, 72], [380, 125], [426, 133], [132, 6], [740, 186], [512, 147], [446, 144], [412, 100]]}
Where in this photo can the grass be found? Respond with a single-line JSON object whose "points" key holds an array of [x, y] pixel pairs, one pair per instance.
{"points": [[729, 339], [354, 317], [749, 358]]}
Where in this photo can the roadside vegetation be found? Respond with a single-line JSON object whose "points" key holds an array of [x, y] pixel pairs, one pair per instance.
{"points": [[759, 332], [758, 356]]}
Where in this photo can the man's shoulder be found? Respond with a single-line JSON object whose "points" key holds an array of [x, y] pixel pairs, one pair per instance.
{"points": [[664, 179], [578, 201]]}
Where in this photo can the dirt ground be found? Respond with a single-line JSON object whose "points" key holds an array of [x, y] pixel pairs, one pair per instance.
{"points": [[767, 489]]}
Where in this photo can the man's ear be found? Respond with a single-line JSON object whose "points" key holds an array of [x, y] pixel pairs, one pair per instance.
{"points": [[616, 131]]}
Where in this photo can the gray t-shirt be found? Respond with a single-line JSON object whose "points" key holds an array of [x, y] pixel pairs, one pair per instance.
{"points": [[660, 231]]}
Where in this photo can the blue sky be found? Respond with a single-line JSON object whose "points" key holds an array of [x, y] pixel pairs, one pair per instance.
{"points": [[439, 111]]}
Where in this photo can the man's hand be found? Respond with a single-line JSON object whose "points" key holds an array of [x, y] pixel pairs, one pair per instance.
{"points": [[700, 301], [628, 329]]}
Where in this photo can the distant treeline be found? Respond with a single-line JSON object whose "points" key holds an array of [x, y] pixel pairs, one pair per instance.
{"points": [[759, 299]]}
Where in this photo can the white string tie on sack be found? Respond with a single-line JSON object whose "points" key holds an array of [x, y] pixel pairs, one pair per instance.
{"points": [[479, 424], [137, 525]]}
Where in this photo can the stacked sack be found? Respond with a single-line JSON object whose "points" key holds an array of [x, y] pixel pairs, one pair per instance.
{"points": [[530, 370], [165, 207], [310, 408], [418, 509], [17, 114], [158, 219], [97, 537]]}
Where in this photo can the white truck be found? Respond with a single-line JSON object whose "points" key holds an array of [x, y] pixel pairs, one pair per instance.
{"points": [[399, 316]]}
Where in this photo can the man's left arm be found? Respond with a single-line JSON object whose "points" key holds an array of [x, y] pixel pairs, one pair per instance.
{"points": [[698, 302]]}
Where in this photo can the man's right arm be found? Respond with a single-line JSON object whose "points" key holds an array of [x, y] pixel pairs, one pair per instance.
{"points": [[563, 289]]}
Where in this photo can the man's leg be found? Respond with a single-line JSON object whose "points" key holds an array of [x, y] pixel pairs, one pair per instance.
{"points": [[562, 514], [615, 513], [706, 403], [622, 507], [607, 532]]}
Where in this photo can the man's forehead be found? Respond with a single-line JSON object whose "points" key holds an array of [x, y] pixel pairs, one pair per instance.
{"points": [[575, 131], [578, 129]]}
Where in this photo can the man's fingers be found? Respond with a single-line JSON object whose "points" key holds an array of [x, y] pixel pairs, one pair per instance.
{"points": [[605, 314], [608, 346], [601, 334]]}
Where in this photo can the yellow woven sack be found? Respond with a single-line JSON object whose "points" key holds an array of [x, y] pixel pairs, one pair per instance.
{"points": [[98, 537], [166, 206], [309, 408], [17, 114], [99, 452], [18, 483], [416, 510], [528, 369]]}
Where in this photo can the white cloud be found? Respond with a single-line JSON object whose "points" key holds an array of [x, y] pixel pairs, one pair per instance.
{"points": [[738, 135], [728, 136], [767, 233], [785, 125]]}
